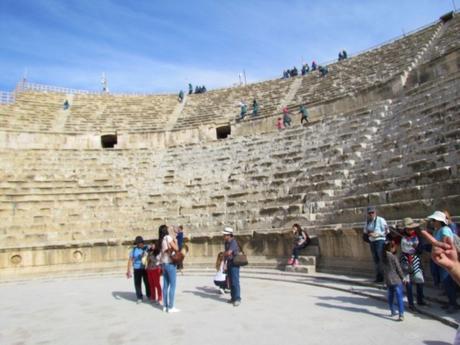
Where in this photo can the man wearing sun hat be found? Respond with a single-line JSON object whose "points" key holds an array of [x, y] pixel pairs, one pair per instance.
{"points": [[377, 229], [231, 250], [441, 231]]}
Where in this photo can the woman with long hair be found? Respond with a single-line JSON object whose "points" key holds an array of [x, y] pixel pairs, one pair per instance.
{"points": [[168, 246], [301, 240]]}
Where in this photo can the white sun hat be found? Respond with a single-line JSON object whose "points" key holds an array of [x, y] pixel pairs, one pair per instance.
{"points": [[228, 231], [439, 216]]}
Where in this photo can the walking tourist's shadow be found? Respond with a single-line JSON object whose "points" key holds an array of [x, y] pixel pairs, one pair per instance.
{"points": [[354, 300], [353, 309], [207, 292], [435, 342], [129, 296]]}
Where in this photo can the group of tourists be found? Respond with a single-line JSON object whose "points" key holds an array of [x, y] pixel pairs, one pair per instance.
{"points": [[147, 263], [198, 89], [244, 109], [323, 70], [412, 239], [286, 120]]}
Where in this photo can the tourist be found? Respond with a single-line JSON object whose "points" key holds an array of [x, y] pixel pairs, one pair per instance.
{"points": [[190, 89], [376, 229], [231, 250], [179, 231], [313, 65], [154, 273], [220, 279], [243, 110], [301, 240], [168, 245], [323, 71], [304, 114], [294, 72], [181, 96], [279, 123], [305, 69], [439, 222], [66, 105], [411, 262], [136, 261], [344, 54], [452, 225], [286, 118], [445, 255], [393, 278], [340, 56], [255, 108]]}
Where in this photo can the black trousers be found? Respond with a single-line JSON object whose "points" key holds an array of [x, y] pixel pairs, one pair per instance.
{"points": [[139, 275]]}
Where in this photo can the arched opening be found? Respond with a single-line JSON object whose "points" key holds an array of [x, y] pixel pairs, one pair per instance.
{"points": [[108, 141], [223, 132]]}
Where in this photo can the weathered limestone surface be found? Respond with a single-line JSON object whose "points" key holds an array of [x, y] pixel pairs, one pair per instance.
{"points": [[390, 138]]}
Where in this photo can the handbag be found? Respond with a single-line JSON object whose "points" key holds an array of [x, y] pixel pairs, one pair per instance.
{"points": [[240, 259], [176, 257]]}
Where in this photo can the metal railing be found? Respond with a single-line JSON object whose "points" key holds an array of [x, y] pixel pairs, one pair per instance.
{"points": [[7, 97], [27, 86]]}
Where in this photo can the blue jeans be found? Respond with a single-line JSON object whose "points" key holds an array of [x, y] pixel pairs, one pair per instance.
{"points": [[410, 293], [169, 285], [398, 289], [377, 250], [234, 274], [296, 250]]}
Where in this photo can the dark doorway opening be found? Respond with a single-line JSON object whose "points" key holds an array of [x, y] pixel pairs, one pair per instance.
{"points": [[223, 132], [108, 141]]}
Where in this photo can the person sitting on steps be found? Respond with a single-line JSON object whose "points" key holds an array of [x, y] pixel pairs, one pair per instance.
{"points": [[301, 240]]}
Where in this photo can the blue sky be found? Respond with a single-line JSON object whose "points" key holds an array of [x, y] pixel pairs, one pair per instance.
{"points": [[159, 46]]}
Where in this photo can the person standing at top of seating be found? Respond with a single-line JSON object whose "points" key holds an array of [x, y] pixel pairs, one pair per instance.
{"points": [[305, 69], [323, 70], [286, 118], [411, 262], [168, 245], [340, 56], [441, 231], [294, 72], [255, 108], [180, 97], [135, 260], [243, 110], [231, 250], [313, 65], [344, 54], [377, 229], [301, 240], [66, 104], [304, 114]]}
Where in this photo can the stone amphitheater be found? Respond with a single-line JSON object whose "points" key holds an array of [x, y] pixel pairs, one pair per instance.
{"points": [[77, 185]]}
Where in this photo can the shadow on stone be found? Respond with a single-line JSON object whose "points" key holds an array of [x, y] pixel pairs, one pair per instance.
{"points": [[129, 296], [207, 292]]}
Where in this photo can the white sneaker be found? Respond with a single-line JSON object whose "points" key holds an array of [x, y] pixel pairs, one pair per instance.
{"points": [[139, 301], [173, 310], [221, 291], [165, 310]]}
